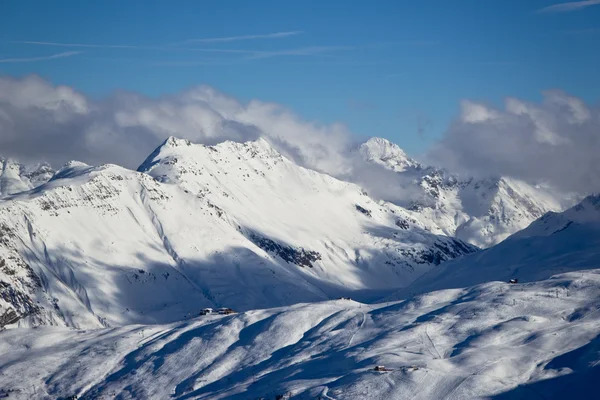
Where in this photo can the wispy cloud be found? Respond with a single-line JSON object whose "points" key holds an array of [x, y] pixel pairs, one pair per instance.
{"points": [[302, 51], [251, 54], [192, 63], [94, 46], [132, 47], [571, 6], [42, 58], [276, 35]]}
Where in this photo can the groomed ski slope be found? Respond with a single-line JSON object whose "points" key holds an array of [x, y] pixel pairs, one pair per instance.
{"points": [[494, 340]]}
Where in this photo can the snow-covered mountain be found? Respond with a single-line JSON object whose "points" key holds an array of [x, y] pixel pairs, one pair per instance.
{"points": [[16, 177], [130, 258], [492, 341], [555, 243], [390, 155], [234, 225], [482, 212]]}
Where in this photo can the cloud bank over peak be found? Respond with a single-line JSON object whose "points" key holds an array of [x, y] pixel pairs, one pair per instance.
{"points": [[41, 121], [556, 141]]}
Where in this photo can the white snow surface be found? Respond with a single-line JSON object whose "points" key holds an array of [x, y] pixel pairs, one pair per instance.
{"points": [[493, 341], [233, 225]]}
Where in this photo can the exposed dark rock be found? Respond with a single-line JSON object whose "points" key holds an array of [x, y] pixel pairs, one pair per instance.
{"points": [[402, 223], [22, 303], [298, 256], [363, 210]]}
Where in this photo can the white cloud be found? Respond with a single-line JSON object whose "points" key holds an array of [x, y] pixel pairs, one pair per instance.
{"points": [[556, 141], [570, 6], [472, 113], [57, 123]]}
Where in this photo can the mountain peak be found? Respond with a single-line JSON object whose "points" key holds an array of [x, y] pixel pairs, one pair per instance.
{"points": [[175, 148], [587, 210], [70, 169], [173, 141], [386, 153], [16, 177]]}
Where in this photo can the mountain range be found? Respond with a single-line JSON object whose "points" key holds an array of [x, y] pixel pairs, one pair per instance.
{"points": [[234, 225], [112, 266]]}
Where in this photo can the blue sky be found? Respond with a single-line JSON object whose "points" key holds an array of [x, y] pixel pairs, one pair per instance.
{"points": [[384, 68]]}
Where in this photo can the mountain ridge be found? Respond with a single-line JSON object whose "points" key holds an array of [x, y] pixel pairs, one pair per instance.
{"points": [[232, 225]]}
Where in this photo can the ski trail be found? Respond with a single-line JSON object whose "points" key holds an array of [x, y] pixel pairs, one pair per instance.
{"points": [[466, 378], [431, 345], [364, 319], [324, 394]]}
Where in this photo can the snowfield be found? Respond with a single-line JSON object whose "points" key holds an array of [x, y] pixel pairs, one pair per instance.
{"points": [[495, 340]]}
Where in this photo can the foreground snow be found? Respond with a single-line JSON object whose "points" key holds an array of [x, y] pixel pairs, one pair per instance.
{"points": [[495, 340]]}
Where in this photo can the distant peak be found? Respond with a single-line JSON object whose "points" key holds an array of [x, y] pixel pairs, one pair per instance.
{"points": [[173, 141], [381, 148], [382, 151], [71, 168], [173, 147], [591, 202], [379, 141], [74, 164]]}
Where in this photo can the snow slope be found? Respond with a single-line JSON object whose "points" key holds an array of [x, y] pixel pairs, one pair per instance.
{"points": [[555, 243], [482, 212], [233, 225], [492, 341]]}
